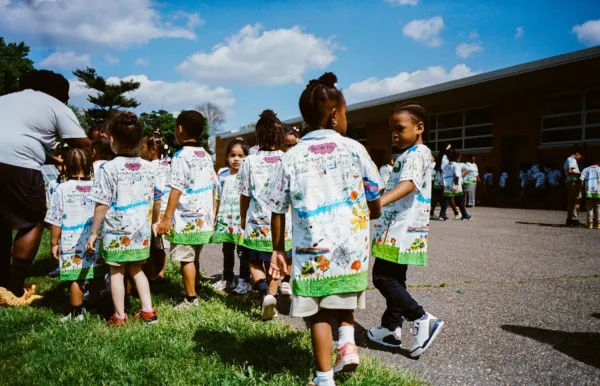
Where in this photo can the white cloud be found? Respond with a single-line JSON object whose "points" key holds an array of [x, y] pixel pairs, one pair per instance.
{"points": [[473, 35], [83, 23], [257, 57], [519, 32], [111, 59], [156, 94], [425, 31], [588, 33], [141, 62], [464, 50], [194, 21], [405, 81], [402, 2], [67, 59]]}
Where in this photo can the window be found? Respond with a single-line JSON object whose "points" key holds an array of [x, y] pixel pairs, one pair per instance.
{"points": [[571, 118], [358, 133], [467, 129]]}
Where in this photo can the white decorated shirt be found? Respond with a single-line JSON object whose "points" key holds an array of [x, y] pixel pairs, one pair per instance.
{"points": [[252, 177], [384, 172], [192, 173], [503, 178], [453, 179], [554, 176], [571, 163], [128, 186], [163, 170], [591, 181], [401, 233], [540, 180], [327, 179], [488, 178], [228, 228], [472, 173], [50, 189]]}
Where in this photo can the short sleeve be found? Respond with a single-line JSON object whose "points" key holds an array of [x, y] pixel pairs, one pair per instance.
{"points": [[180, 173], [384, 173], [243, 180], [55, 211], [583, 175], [67, 124], [159, 188], [413, 168], [218, 188], [103, 188], [275, 195], [371, 178]]}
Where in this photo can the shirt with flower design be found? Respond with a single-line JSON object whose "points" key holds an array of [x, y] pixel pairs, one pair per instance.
{"points": [[129, 187], [72, 210], [192, 173], [228, 228], [253, 175], [327, 179], [401, 233], [590, 177]]}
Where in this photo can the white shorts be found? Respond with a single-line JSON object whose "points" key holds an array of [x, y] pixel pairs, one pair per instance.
{"points": [[185, 253], [303, 306]]}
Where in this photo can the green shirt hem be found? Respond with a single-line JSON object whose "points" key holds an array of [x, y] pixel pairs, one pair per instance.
{"points": [[453, 194], [195, 238], [83, 274], [393, 254], [218, 238], [592, 195], [263, 245], [330, 285], [126, 256]]}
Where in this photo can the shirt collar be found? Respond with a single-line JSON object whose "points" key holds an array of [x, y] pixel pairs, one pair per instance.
{"points": [[319, 134]]}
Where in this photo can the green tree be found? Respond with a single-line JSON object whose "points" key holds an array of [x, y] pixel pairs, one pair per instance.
{"points": [[80, 114], [162, 121], [108, 98], [13, 63]]}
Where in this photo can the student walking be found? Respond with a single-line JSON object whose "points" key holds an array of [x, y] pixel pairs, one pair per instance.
{"points": [[471, 179], [453, 178], [573, 175], [590, 177]]}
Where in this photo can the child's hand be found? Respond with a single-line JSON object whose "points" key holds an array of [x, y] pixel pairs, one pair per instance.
{"points": [[455, 189], [278, 266], [54, 251], [91, 243], [163, 227]]}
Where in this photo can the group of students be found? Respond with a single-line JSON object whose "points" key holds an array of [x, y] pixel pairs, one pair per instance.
{"points": [[300, 216]]}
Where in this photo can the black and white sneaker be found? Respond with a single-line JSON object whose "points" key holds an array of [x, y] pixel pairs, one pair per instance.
{"points": [[425, 331], [386, 337]]}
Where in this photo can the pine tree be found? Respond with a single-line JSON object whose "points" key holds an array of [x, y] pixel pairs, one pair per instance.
{"points": [[13, 64]]}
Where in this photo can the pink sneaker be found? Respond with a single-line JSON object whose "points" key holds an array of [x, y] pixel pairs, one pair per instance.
{"points": [[347, 359]]}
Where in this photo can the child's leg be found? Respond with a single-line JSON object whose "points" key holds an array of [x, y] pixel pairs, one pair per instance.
{"points": [[244, 264], [5, 254], [322, 339], [445, 202], [117, 289], [96, 286], [160, 261], [460, 202], [228, 261], [453, 205], [141, 283], [76, 293], [257, 271], [148, 266], [188, 273]]}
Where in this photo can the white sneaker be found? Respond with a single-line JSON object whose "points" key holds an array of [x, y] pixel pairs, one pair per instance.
{"points": [[316, 382], [54, 273], [425, 331], [222, 285], [458, 216], [242, 288], [267, 309], [285, 289], [386, 337], [69, 317], [186, 304]]}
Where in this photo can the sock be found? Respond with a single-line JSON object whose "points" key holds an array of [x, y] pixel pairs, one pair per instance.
{"points": [[286, 279], [76, 310], [346, 335], [119, 317], [263, 287], [191, 298], [325, 378], [18, 273]]}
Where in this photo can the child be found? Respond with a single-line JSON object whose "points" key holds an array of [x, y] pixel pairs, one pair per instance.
{"points": [[126, 195], [453, 178], [228, 228], [386, 170], [332, 185], [71, 214], [290, 138], [590, 177], [101, 153], [471, 178], [189, 219], [502, 180], [256, 219], [573, 177], [156, 150], [437, 193], [401, 234]]}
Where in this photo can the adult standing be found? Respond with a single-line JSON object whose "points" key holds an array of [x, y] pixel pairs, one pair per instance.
{"points": [[573, 187], [471, 178], [33, 119]]}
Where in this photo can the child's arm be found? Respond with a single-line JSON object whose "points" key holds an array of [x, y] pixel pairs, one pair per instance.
{"points": [[165, 225], [399, 191], [278, 265], [244, 205], [99, 214], [54, 237]]}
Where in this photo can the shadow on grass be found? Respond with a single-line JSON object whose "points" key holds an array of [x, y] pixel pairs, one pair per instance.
{"points": [[581, 346], [265, 353], [42, 267], [542, 224]]}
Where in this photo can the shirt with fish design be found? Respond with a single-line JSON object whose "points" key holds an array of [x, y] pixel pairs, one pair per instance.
{"points": [[253, 175], [401, 233], [327, 180], [128, 185], [192, 173], [72, 210]]}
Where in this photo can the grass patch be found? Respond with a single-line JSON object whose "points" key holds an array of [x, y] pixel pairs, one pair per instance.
{"points": [[222, 342]]}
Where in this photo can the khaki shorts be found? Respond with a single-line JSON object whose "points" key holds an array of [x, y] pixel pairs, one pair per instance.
{"points": [[303, 306], [185, 253], [121, 264]]}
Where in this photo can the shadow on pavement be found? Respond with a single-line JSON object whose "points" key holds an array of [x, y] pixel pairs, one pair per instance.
{"points": [[595, 315], [581, 346], [541, 224]]}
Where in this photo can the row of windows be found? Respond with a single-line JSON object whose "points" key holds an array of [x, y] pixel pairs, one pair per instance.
{"points": [[465, 130], [571, 118]]}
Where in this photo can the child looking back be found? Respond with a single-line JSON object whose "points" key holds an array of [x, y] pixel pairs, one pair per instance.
{"points": [[126, 194], [333, 188]]}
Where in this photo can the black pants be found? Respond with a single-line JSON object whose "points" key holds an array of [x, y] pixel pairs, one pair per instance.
{"points": [[229, 250], [6, 241], [390, 279], [437, 197], [460, 202]]}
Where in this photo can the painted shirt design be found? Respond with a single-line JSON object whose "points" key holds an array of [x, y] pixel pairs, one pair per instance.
{"points": [[228, 227], [453, 172], [50, 189], [72, 210], [252, 178], [401, 233], [472, 173], [327, 179], [591, 181], [571, 163], [192, 174], [128, 186], [554, 176], [384, 172], [163, 169], [502, 181]]}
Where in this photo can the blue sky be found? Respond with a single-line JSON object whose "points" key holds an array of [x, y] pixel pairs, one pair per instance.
{"points": [[251, 55]]}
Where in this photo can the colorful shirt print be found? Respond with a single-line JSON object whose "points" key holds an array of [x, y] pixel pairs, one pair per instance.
{"points": [[503, 178], [384, 172], [571, 163], [554, 177], [400, 234], [432, 168], [50, 189], [252, 178], [228, 228], [193, 175], [453, 179], [127, 186], [72, 210], [540, 180], [591, 181], [96, 166], [163, 169], [328, 180], [472, 173]]}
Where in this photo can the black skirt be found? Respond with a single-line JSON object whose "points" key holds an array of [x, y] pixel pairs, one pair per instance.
{"points": [[22, 196]]}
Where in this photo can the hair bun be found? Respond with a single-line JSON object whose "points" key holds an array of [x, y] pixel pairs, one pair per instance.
{"points": [[328, 79]]}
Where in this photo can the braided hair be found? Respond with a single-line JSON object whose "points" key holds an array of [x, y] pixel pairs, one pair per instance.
{"points": [[269, 131], [318, 99], [78, 161], [102, 149], [126, 130], [158, 142], [417, 112]]}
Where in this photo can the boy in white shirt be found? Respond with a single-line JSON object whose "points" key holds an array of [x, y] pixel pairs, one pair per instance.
{"points": [[590, 177], [573, 187]]}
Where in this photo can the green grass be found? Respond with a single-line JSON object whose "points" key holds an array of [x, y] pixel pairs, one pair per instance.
{"points": [[222, 342]]}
